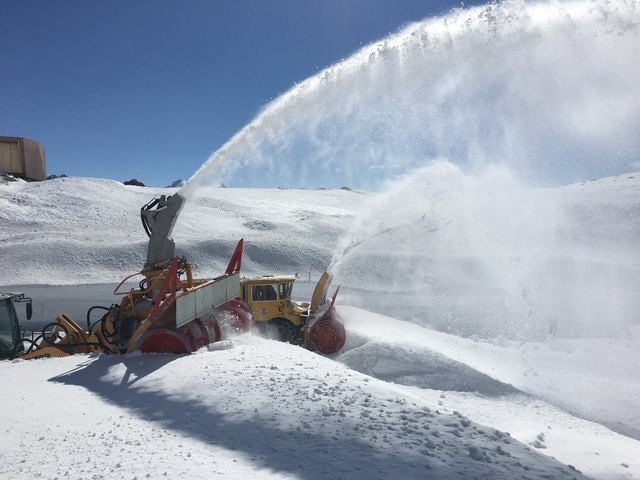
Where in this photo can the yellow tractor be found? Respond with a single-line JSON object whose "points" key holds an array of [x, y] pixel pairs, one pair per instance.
{"points": [[315, 325]]}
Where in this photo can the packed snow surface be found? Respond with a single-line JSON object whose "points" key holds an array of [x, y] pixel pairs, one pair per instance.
{"points": [[250, 408]]}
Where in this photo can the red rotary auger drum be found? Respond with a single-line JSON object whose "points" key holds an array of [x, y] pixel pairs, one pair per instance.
{"points": [[191, 315], [326, 335], [220, 323]]}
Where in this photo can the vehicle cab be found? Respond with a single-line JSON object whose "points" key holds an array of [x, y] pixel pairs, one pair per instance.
{"points": [[269, 298], [10, 331]]}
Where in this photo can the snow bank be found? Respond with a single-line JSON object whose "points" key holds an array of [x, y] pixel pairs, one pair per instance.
{"points": [[598, 379], [489, 380], [76, 230], [251, 408]]}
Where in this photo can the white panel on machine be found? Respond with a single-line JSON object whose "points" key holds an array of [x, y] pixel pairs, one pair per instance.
{"points": [[208, 295]]}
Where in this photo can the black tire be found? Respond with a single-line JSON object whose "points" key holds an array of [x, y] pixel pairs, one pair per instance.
{"points": [[283, 330]]}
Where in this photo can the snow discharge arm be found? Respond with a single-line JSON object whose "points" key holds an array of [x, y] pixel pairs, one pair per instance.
{"points": [[158, 217]]}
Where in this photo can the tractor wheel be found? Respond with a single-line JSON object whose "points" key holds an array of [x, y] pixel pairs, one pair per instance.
{"points": [[283, 330]]}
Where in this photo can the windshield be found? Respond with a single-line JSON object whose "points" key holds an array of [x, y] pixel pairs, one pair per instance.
{"points": [[9, 329]]}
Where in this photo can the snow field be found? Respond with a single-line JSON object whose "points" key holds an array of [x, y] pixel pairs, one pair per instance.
{"points": [[258, 409], [299, 416], [513, 386]]}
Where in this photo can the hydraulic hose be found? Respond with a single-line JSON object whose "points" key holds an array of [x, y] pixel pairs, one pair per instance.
{"points": [[89, 326]]}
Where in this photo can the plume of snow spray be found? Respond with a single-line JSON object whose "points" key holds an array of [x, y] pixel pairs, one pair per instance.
{"points": [[551, 89], [547, 91], [485, 255]]}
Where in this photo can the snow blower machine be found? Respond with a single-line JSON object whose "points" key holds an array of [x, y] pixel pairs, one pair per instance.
{"points": [[315, 325], [169, 311]]}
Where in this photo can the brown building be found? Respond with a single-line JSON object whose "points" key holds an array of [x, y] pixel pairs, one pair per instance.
{"points": [[23, 158]]}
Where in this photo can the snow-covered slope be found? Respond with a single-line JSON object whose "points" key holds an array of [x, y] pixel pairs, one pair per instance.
{"points": [[488, 380], [252, 408], [78, 230]]}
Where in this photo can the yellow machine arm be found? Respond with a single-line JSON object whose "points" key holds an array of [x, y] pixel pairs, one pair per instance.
{"points": [[65, 338]]}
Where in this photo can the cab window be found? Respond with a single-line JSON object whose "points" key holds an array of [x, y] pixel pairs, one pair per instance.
{"points": [[263, 293], [9, 329]]}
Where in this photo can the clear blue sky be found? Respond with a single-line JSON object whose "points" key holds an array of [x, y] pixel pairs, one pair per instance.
{"points": [[149, 89]]}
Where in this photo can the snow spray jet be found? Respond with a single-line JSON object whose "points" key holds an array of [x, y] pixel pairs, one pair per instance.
{"points": [[394, 215], [450, 248], [485, 255], [549, 89]]}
